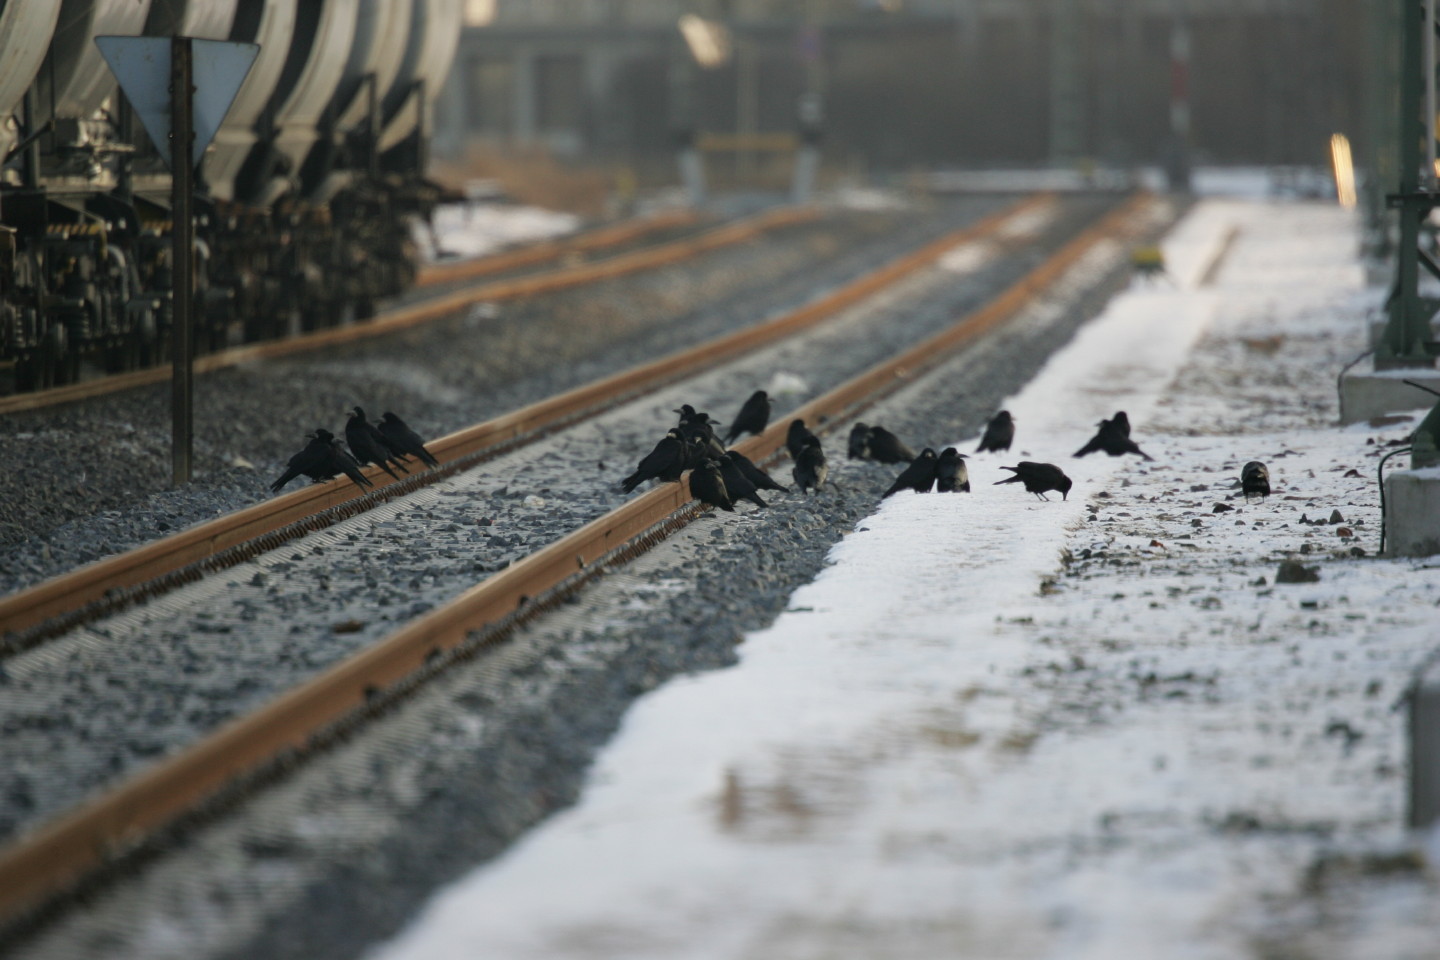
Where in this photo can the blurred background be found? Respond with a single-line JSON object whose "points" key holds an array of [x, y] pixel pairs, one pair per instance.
{"points": [[560, 100]]}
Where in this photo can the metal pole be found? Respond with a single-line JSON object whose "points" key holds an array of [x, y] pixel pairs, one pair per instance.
{"points": [[182, 237], [1428, 61]]}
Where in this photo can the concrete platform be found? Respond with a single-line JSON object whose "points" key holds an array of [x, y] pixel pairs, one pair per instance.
{"points": [[1412, 513], [1366, 392]]}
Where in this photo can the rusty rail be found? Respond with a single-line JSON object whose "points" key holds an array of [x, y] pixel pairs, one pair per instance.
{"points": [[403, 318], [94, 582], [57, 855]]}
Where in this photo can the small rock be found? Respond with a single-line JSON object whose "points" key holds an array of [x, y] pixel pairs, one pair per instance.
{"points": [[1335, 517], [348, 626], [1197, 522], [1344, 532], [1352, 473], [1357, 551], [1222, 508], [1293, 571]]}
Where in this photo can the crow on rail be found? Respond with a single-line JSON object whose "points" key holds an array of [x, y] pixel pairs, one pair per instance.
{"points": [[951, 475], [367, 444], [1039, 478], [665, 463], [403, 441], [1113, 437], [753, 417], [321, 459], [999, 433], [811, 469]]}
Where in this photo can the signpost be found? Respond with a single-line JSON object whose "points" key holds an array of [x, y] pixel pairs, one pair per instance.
{"points": [[181, 88]]}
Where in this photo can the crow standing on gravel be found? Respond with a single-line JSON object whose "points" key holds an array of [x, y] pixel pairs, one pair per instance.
{"points": [[885, 447], [697, 426], [811, 469], [999, 433], [1038, 478], [1255, 480], [919, 476], [1113, 437], [321, 459], [753, 417], [737, 485], [367, 444], [758, 477], [796, 437], [402, 440], [859, 446], [708, 486], [951, 476]]}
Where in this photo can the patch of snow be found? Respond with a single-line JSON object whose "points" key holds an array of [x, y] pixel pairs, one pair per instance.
{"points": [[997, 727]]}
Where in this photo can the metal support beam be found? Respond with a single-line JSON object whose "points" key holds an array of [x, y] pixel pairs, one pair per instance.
{"points": [[1407, 330], [182, 238]]}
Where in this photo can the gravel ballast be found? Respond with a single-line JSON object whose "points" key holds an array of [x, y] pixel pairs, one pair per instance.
{"points": [[460, 770], [89, 479]]}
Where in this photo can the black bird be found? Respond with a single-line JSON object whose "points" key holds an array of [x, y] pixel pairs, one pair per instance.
{"points": [[708, 486], [1113, 437], [811, 470], [951, 476], [737, 485], [919, 476], [321, 459], [796, 438], [1038, 478], [761, 479], [999, 433], [402, 440], [1255, 480], [859, 446], [885, 447], [368, 445], [753, 417], [666, 462], [699, 426]]}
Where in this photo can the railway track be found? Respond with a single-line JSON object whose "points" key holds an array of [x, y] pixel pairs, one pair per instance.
{"points": [[410, 314], [49, 858]]}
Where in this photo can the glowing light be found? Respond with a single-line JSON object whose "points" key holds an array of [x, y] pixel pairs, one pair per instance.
{"points": [[479, 13], [1344, 170], [709, 42]]}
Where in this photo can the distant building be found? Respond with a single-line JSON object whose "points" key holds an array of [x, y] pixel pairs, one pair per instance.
{"points": [[907, 83]]}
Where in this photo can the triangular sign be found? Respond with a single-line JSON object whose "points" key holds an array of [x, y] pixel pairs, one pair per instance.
{"points": [[142, 65]]}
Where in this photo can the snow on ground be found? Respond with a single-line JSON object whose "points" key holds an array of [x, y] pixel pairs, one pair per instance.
{"points": [[476, 229], [1094, 728]]}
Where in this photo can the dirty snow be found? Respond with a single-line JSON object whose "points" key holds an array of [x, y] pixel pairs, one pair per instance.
{"points": [[1094, 728]]}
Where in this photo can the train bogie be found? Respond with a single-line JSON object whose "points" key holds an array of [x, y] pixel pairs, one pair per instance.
{"points": [[303, 221]]}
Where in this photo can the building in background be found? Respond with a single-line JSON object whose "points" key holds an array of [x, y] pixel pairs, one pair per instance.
{"points": [[904, 84]]}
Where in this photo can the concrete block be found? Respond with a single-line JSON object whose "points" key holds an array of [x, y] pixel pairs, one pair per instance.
{"points": [[1424, 703], [1366, 392], [1412, 513]]}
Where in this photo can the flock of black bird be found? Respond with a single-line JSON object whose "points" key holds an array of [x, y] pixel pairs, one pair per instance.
{"points": [[721, 477], [387, 444]]}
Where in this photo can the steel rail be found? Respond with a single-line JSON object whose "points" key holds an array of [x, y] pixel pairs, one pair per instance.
{"points": [[546, 250], [405, 317], [57, 855], [100, 587]]}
